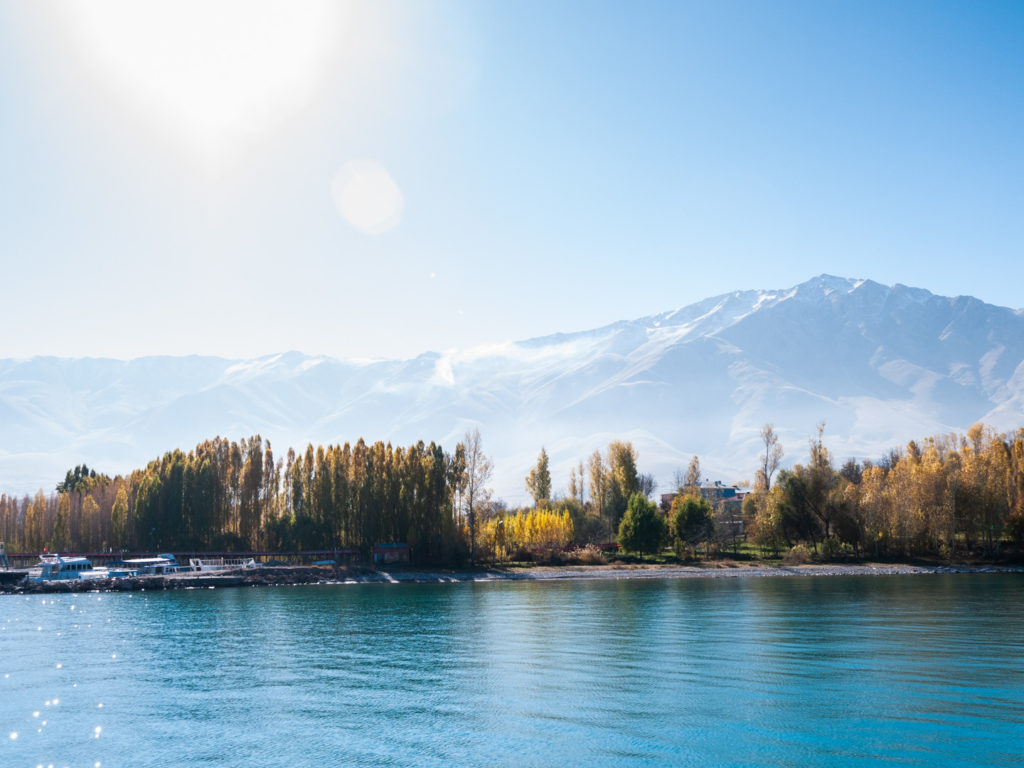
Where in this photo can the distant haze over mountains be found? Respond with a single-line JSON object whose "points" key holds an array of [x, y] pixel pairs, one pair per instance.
{"points": [[879, 365]]}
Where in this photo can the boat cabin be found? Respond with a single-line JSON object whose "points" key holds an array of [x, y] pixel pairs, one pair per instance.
{"points": [[210, 564], [55, 567], [156, 566]]}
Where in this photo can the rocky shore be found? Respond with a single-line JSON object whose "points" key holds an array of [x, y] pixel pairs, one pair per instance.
{"points": [[267, 576]]}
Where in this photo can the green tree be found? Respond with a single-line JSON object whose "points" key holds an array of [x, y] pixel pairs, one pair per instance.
{"points": [[691, 520], [202, 502], [792, 510], [538, 482], [642, 529], [813, 498], [148, 512]]}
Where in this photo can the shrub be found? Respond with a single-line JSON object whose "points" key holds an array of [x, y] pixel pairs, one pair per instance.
{"points": [[798, 555], [588, 555], [831, 548], [521, 555], [549, 556], [518, 536]]}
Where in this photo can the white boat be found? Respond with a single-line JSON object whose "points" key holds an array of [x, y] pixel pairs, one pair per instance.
{"points": [[220, 563], [108, 573], [54, 568], [161, 565], [155, 566]]}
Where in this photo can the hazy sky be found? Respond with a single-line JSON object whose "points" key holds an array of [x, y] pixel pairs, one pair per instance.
{"points": [[380, 179]]}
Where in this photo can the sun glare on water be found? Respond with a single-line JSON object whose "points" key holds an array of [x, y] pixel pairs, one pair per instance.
{"points": [[215, 75]]}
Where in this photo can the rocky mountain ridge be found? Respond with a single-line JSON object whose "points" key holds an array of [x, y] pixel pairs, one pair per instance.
{"points": [[879, 364]]}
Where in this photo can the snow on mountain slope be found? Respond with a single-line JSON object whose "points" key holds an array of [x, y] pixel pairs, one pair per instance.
{"points": [[880, 365]]}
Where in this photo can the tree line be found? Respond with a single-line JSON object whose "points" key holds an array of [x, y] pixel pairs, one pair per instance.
{"points": [[237, 496], [947, 495]]}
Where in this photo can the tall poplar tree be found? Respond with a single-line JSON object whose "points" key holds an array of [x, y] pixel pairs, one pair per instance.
{"points": [[598, 483], [119, 518], [538, 482], [623, 480]]}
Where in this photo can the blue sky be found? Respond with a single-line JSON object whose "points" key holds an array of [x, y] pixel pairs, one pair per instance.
{"points": [[184, 183]]}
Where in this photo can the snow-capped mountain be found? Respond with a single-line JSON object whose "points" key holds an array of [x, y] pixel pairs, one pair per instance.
{"points": [[880, 365]]}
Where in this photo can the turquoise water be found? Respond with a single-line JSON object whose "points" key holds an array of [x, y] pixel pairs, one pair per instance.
{"points": [[904, 670]]}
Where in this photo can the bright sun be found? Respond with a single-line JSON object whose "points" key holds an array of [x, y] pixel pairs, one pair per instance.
{"points": [[214, 74]]}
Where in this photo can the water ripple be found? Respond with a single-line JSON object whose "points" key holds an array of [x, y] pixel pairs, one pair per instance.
{"points": [[788, 672]]}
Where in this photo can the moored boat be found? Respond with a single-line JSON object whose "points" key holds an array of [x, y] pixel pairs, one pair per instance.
{"points": [[160, 565], [207, 565], [112, 572], [53, 567]]}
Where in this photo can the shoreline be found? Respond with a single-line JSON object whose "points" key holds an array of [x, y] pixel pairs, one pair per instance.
{"points": [[269, 576]]}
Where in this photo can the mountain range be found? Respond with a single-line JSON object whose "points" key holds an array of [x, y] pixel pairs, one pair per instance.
{"points": [[878, 364]]}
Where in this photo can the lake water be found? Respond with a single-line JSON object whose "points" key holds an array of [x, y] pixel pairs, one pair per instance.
{"points": [[904, 670]]}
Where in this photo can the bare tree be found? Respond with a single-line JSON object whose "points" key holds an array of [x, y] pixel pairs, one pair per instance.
{"points": [[772, 456], [647, 484], [477, 473]]}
